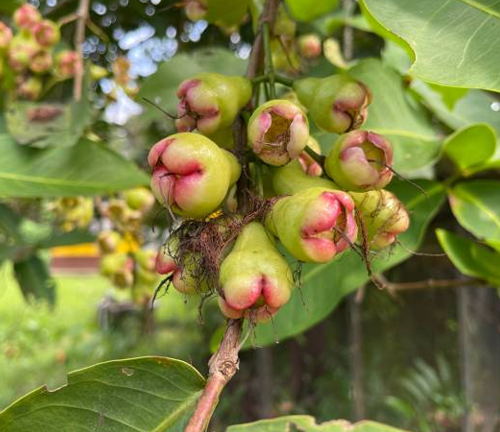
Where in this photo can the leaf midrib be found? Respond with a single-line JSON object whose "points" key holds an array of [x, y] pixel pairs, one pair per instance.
{"points": [[481, 7]]}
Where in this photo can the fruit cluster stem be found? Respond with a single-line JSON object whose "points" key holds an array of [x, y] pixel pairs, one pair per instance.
{"points": [[225, 362], [222, 366], [83, 15]]}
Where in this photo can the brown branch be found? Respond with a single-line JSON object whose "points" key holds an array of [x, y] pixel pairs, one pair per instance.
{"points": [[222, 366], [393, 287], [83, 15], [224, 363]]}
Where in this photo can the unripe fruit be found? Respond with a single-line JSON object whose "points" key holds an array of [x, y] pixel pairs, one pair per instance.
{"points": [[22, 48], [146, 259], [309, 165], [75, 212], [26, 16], [119, 267], [98, 72], [191, 174], [164, 263], [140, 199], [41, 62], [67, 64], [254, 274], [195, 9], [315, 224], [256, 314], [46, 33], [360, 161], [278, 132], [108, 241], [29, 88], [210, 101], [291, 178], [309, 46], [336, 104], [5, 36], [383, 216], [283, 24]]}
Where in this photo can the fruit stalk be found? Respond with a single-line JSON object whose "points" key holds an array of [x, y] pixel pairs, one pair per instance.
{"points": [[83, 15]]}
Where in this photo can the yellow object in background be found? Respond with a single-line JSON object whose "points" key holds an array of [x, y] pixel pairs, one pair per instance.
{"points": [[128, 244]]}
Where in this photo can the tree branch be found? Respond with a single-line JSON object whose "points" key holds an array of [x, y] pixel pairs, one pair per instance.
{"points": [[83, 15], [222, 366], [225, 362], [425, 284]]}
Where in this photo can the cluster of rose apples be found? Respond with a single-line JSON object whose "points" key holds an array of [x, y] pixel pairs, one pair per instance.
{"points": [[27, 54], [319, 207], [124, 260]]}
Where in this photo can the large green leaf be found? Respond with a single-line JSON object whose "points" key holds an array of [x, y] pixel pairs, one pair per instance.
{"points": [[476, 205], [325, 285], [305, 423], [161, 87], [471, 146], [150, 394], [307, 10], [476, 106], [453, 40], [42, 125], [471, 258], [393, 115], [87, 168], [34, 279]]}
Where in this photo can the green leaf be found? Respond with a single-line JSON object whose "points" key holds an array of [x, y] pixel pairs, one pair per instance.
{"points": [[42, 125], [161, 87], [34, 279], [476, 205], [451, 40], [87, 168], [303, 423], [471, 145], [219, 13], [392, 115], [324, 286], [153, 394], [475, 107], [307, 10], [8, 7], [66, 239], [9, 223], [470, 258]]}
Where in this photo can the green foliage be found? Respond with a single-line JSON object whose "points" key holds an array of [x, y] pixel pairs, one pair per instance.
{"points": [[87, 168], [324, 286], [34, 279], [476, 206], [451, 40], [391, 114], [308, 424], [154, 393], [308, 10], [470, 258]]}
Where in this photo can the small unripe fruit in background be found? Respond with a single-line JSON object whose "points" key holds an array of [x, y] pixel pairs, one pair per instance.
{"points": [[146, 258], [41, 62], [360, 161], [119, 268], [108, 241], [22, 48], [383, 215], [336, 104], [291, 178], [139, 199], [195, 9], [254, 274], [309, 46], [67, 63], [26, 17], [46, 33], [209, 102], [278, 132], [98, 72], [29, 88], [74, 212], [309, 165], [191, 174], [315, 224], [5, 36], [283, 24]]}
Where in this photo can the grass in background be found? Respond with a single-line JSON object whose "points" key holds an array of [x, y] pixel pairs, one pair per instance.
{"points": [[40, 345]]}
